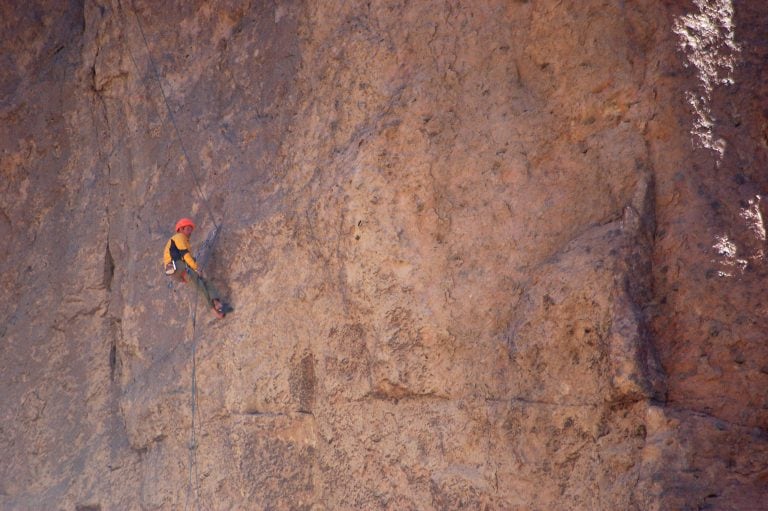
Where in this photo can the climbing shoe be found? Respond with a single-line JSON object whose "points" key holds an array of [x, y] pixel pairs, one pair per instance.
{"points": [[218, 308]]}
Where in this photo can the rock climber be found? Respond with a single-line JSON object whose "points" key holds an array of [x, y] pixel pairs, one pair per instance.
{"points": [[181, 265]]}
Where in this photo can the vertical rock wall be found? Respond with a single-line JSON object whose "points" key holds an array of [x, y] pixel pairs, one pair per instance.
{"points": [[489, 255], [709, 273]]}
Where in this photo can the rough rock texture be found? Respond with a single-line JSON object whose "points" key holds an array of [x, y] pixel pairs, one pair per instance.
{"points": [[484, 255]]}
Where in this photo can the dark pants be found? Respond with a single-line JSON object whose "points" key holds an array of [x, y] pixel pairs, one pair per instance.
{"points": [[185, 273]]}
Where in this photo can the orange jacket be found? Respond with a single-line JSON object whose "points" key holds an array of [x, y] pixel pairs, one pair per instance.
{"points": [[181, 242]]}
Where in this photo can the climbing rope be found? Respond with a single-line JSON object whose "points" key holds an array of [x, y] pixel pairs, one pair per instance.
{"points": [[194, 476], [193, 484], [153, 67]]}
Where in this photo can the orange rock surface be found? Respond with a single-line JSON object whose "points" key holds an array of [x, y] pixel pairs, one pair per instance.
{"points": [[503, 255]]}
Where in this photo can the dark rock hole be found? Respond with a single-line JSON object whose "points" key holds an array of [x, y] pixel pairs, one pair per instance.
{"points": [[109, 268], [112, 361]]}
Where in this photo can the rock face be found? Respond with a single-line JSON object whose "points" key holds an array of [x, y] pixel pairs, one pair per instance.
{"points": [[483, 255]]}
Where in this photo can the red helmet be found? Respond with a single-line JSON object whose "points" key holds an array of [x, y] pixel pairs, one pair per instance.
{"points": [[184, 222]]}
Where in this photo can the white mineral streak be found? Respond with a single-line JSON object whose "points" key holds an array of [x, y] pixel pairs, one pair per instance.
{"points": [[708, 40]]}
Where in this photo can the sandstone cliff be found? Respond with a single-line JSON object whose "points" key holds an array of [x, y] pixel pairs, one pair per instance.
{"points": [[495, 255]]}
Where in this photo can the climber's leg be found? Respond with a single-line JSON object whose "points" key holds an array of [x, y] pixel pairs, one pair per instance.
{"points": [[207, 290]]}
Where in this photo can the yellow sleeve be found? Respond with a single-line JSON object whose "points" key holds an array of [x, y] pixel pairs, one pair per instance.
{"points": [[190, 261], [182, 243], [167, 253]]}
